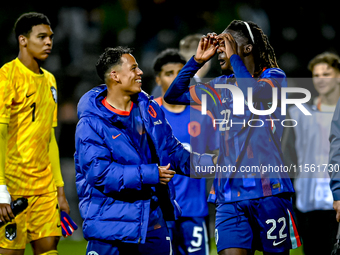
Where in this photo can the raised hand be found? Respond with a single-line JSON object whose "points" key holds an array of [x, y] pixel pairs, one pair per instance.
{"points": [[165, 175], [206, 48], [227, 44]]}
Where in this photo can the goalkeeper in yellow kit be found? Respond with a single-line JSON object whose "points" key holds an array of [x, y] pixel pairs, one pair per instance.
{"points": [[29, 157]]}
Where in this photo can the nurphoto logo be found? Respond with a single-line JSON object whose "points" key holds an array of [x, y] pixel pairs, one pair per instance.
{"points": [[238, 105]]}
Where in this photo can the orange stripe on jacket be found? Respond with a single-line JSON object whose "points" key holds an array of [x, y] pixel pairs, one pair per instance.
{"points": [[268, 81], [194, 95]]}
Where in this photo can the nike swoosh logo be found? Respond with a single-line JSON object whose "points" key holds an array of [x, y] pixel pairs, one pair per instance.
{"points": [[114, 137], [58, 225], [276, 244], [190, 250], [30, 95]]}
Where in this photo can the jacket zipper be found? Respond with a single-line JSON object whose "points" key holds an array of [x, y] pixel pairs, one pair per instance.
{"points": [[138, 152]]}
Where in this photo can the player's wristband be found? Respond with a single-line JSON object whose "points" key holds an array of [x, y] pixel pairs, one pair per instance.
{"points": [[5, 197], [67, 224]]}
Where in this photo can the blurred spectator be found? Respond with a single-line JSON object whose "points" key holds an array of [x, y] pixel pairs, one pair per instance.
{"points": [[187, 47], [307, 144]]}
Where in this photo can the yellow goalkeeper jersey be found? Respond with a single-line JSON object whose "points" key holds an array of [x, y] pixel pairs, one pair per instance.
{"points": [[28, 104]]}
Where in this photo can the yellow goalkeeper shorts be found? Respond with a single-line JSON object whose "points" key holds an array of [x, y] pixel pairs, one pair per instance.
{"points": [[40, 219]]}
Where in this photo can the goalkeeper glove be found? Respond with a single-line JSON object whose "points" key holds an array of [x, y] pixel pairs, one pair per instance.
{"points": [[67, 224]]}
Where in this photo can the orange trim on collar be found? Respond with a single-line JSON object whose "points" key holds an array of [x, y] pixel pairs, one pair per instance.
{"points": [[117, 111], [159, 101]]}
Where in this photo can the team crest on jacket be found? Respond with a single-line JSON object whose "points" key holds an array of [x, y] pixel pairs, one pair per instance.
{"points": [[92, 253], [11, 231], [194, 128], [54, 94], [152, 111]]}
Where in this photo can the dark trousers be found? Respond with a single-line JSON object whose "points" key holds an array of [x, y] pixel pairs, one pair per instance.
{"points": [[318, 231]]}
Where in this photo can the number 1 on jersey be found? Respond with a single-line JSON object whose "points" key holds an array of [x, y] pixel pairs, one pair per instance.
{"points": [[33, 111]]}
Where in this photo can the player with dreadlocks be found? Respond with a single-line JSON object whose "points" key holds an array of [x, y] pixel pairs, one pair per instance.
{"points": [[251, 193], [263, 52]]}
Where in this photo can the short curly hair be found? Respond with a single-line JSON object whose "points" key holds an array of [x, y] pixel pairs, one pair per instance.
{"points": [[110, 58], [25, 23], [165, 57]]}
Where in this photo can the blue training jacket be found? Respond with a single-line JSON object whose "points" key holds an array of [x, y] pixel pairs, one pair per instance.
{"points": [[114, 183]]}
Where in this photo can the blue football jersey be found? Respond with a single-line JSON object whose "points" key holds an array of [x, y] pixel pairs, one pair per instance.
{"points": [[250, 163]]}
